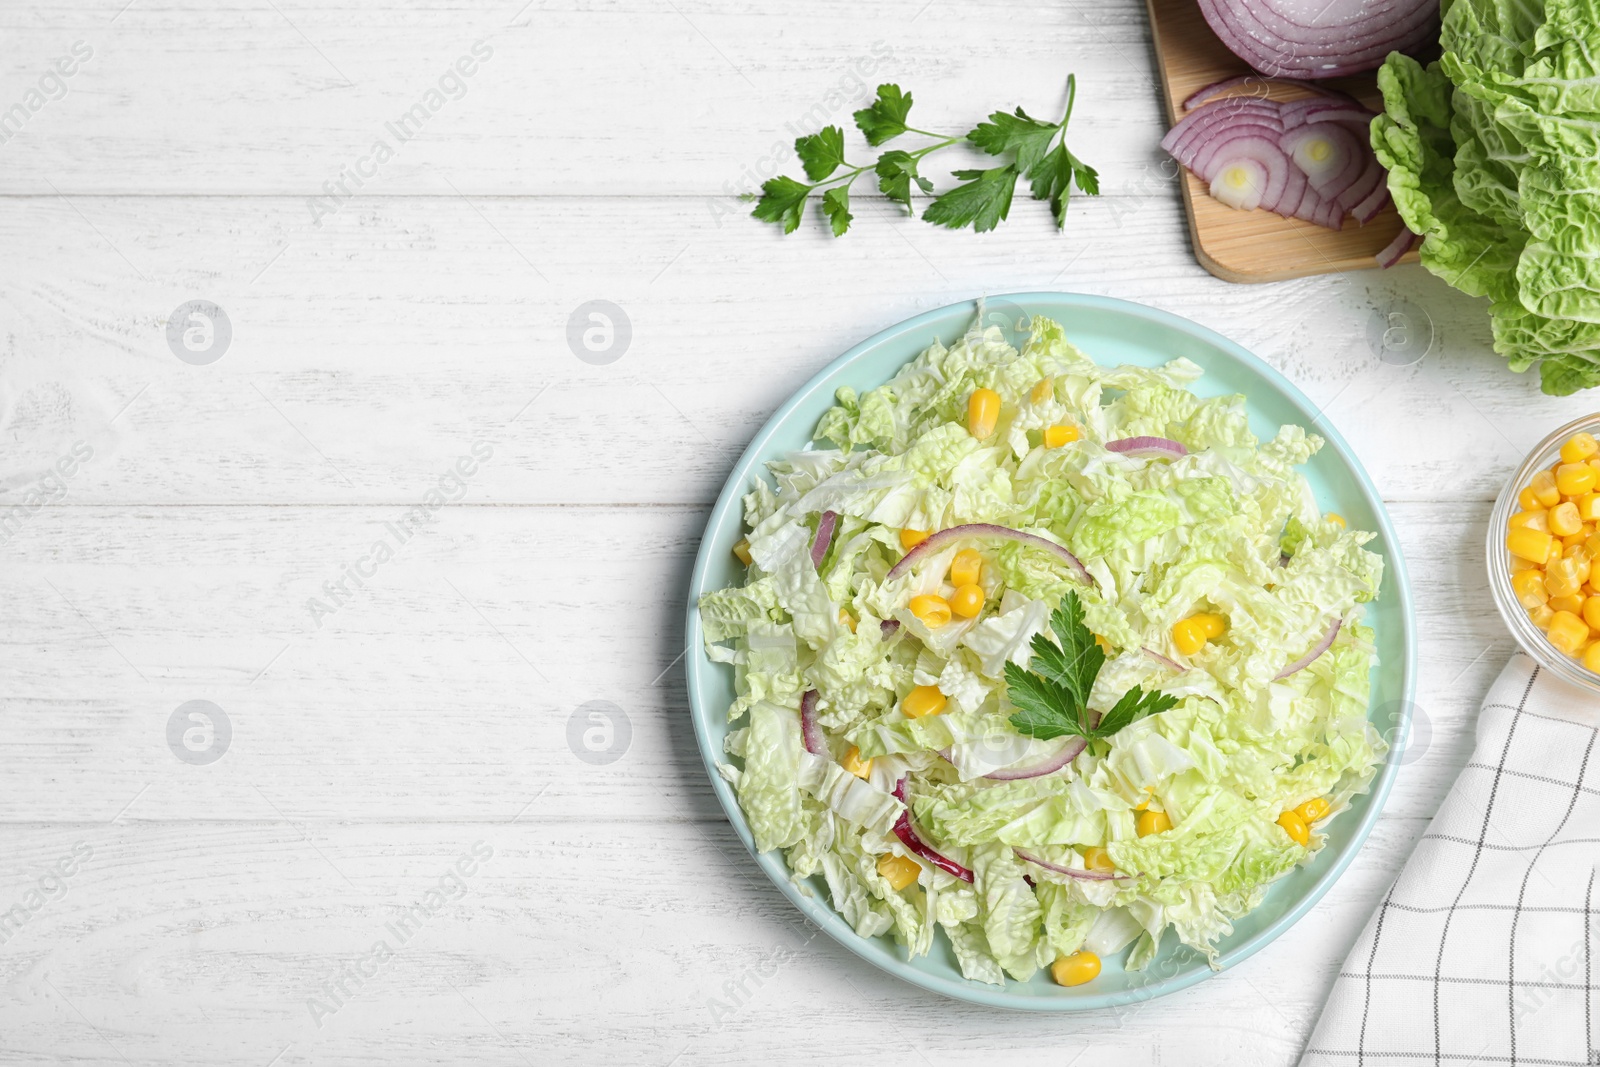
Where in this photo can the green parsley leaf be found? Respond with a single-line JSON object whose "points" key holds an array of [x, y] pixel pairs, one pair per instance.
{"points": [[1052, 695], [1027, 137], [821, 153], [836, 206], [1135, 704], [982, 202], [885, 118], [1044, 709], [896, 170], [783, 200]]}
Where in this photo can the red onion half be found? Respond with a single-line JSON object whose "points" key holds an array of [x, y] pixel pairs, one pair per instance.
{"points": [[810, 732], [1070, 872], [1050, 765], [1320, 38], [999, 533], [825, 528], [908, 837], [1148, 447], [1310, 657]]}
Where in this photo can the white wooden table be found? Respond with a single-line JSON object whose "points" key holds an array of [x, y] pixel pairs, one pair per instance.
{"points": [[213, 909]]}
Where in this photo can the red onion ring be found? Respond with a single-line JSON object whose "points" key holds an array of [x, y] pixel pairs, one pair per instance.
{"points": [[1148, 446], [1310, 657], [1068, 753], [810, 732], [1395, 250], [908, 837], [825, 528], [1070, 872], [1217, 88], [983, 529], [1163, 660]]}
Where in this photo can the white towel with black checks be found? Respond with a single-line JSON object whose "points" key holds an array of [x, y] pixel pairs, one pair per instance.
{"points": [[1483, 950]]}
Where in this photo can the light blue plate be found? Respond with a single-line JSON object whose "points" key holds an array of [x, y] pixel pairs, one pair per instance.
{"points": [[1111, 332]]}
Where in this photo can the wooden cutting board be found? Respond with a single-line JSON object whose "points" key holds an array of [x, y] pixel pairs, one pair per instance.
{"points": [[1255, 246]]}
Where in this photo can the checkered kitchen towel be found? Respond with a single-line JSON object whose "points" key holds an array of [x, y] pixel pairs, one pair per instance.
{"points": [[1485, 950]]}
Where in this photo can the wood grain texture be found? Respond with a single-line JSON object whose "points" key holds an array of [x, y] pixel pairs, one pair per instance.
{"points": [[618, 919], [1256, 245]]}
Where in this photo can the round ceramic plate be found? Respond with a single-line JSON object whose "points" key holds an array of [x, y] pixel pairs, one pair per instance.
{"points": [[1111, 332]]}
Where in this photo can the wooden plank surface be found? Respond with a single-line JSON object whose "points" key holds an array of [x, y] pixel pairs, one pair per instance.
{"points": [[1255, 245], [618, 919]]}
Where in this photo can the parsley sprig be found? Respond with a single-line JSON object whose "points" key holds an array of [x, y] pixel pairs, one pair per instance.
{"points": [[1052, 697], [1037, 150]]}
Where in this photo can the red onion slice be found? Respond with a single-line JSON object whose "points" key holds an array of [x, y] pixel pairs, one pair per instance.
{"points": [[1395, 250], [1070, 872], [1310, 657], [1148, 446], [983, 529], [887, 628], [1368, 209], [1050, 765], [825, 528], [810, 732], [1163, 660], [908, 837], [1329, 154]]}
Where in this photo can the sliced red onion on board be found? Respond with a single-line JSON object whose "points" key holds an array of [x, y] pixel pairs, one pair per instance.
{"points": [[1049, 765], [1148, 447], [825, 529], [988, 530], [1163, 660], [908, 837], [1070, 872], [1310, 657], [1320, 38], [1395, 250], [1368, 209], [1328, 153], [810, 732]]}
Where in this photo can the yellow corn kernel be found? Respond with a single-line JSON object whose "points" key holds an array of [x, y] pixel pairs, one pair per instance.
{"points": [[1575, 479], [1105, 645], [1537, 519], [1579, 447], [1568, 632], [1528, 501], [1080, 967], [983, 411], [1312, 810], [1591, 657], [1591, 611], [1296, 828], [910, 539], [1544, 489], [1213, 625], [1541, 616], [1335, 517], [1056, 436], [847, 620], [1564, 521], [1531, 545], [1565, 577], [922, 701], [898, 871], [1096, 858], [1571, 604], [1556, 551], [1595, 463], [967, 601], [741, 549], [1152, 822], [932, 611], [1191, 634], [1529, 587], [1571, 542], [966, 567], [1043, 390], [853, 763]]}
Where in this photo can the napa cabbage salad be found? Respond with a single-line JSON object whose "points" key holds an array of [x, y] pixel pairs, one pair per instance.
{"points": [[952, 603]]}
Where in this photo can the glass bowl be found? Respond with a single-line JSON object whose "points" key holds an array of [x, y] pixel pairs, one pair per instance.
{"points": [[1530, 637]]}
